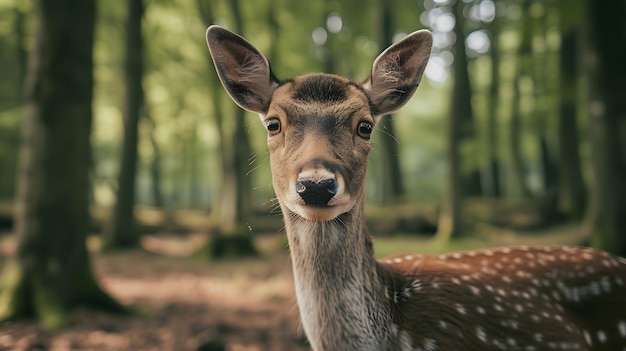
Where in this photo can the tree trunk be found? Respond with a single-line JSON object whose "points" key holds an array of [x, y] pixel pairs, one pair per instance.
{"points": [[462, 106], [242, 151], [20, 36], [523, 54], [494, 99], [274, 30], [541, 72], [224, 208], [572, 193], [122, 231], [604, 66], [194, 185], [155, 163], [391, 174], [51, 270], [233, 209], [450, 217]]}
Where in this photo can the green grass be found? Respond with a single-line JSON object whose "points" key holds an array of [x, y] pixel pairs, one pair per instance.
{"points": [[483, 236]]}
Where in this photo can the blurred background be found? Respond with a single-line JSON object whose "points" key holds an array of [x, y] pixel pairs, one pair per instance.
{"points": [[131, 183]]}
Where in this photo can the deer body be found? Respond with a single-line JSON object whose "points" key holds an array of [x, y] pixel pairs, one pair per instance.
{"points": [[512, 298]]}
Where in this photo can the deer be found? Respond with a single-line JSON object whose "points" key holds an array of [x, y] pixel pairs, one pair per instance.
{"points": [[319, 129]]}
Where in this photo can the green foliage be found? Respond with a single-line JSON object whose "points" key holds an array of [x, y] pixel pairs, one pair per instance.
{"points": [[178, 89]]}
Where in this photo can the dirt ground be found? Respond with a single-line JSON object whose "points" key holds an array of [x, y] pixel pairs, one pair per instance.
{"points": [[183, 305]]}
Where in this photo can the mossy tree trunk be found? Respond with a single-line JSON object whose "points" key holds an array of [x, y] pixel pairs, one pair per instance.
{"points": [[51, 270]]}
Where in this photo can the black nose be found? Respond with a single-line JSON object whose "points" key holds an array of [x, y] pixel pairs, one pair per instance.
{"points": [[316, 193]]}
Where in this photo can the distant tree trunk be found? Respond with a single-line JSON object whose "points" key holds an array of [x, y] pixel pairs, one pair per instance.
{"points": [[121, 231], [155, 162], [224, 208], [494, 99], [604, 65], [20, 36], [572, 193], [391, 174], [51, 271], [523, 54], [234, 208], [242, 151], [330, 65], [541, 73], [462, 100], [194, 186], [274, 29], [450, 217]]}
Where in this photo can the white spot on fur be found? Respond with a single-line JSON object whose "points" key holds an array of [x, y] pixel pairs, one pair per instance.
{"points": [[405, 341], [430, 344], [601, 336], [587, 337], [480, 334], [621, 326], [460, 308]]}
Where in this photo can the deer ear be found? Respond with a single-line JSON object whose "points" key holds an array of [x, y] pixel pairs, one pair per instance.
{"points": [[245, 73], [396, 72]]}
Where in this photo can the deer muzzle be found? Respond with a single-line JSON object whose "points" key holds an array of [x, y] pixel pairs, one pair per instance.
{"points": [[316, 193]]}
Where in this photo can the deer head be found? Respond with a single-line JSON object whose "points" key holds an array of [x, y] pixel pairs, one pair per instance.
{"points": [[319, 125]]}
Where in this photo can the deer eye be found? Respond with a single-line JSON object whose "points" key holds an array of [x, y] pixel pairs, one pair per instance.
{"points": [[272, 125], [364, 130]]}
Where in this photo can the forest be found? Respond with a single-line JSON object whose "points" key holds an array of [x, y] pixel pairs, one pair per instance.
{"points": [[136, 201]]}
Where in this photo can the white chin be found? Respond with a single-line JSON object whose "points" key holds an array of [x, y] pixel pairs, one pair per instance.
{"points": [[319, 213]]}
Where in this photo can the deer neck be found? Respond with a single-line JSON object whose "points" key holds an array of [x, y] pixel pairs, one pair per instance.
{"points": [[339, 287]]}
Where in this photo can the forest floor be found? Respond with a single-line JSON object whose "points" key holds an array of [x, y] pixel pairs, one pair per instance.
{"points": [[184, 303], [181, 303]]}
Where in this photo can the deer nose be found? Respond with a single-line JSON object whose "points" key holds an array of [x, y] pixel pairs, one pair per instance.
{"points": [[316, 193]]}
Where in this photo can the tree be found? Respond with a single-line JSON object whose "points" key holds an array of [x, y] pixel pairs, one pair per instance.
{"points": [[121, 231], [234, 208], [604, 65], [51, 271], [241, 143], [155, 162], [20, 34], [494, 99], [572, 192], [391, 175], [224, 214], [541, 78], [460, 105], [523, 61]]}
